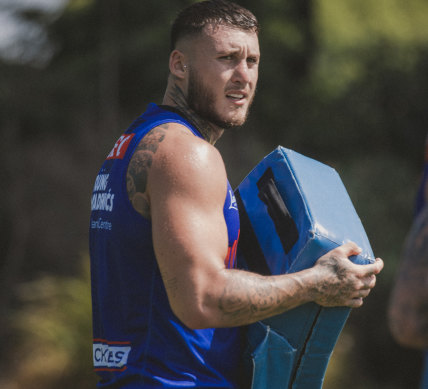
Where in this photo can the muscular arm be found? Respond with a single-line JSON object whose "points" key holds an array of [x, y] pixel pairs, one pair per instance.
{"points": [[408, 311], [185, 194]]}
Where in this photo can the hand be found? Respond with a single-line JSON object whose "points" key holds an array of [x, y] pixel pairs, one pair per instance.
{"points": [[341, 282]]}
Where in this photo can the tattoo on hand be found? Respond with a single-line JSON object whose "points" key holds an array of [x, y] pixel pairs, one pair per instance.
{"points": [[333, 287]]}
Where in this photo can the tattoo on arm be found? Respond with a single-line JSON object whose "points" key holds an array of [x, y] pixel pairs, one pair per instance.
{"points": [[138, 169], [249, 300]]}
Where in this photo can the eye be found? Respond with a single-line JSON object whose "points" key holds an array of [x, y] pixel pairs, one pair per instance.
{"points": [[227, 57], [253, 60]]}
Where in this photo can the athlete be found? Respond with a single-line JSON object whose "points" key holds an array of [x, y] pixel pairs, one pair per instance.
{"points": [[408, 311], [167, 298]]}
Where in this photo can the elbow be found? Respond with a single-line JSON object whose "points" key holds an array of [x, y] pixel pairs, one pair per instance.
{"points": [[198, 306], [194, 317], [193, 321], [196, 323]]}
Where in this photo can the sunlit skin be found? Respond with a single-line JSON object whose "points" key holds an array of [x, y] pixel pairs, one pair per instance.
{"points": [[214, 77], [179, 182], [230, 60]]}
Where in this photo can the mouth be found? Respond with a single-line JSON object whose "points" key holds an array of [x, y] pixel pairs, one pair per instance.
{"points": [[237, 97]]}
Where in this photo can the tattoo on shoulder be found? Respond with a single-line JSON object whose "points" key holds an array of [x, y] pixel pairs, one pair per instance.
{"points": [[138, 169]]}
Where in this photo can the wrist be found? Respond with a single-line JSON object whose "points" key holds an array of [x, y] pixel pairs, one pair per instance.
{"points": [[308, 281]]}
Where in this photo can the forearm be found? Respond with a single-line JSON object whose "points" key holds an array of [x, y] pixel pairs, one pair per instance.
{"points": [[232, 297], [248, 297], [236, 297]]}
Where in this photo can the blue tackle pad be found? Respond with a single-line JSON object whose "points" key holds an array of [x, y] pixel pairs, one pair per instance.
{"points": [[293, 210]]}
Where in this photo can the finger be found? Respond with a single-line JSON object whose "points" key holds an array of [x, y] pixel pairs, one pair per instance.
{"points": [[368, 282], [361, 293], [379, 263], [355, 302], [350, 248], [374, 268], [370, 270], [364, 293]]}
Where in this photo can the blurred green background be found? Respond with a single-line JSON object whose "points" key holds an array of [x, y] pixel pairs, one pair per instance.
{"points": [[342, 81]]}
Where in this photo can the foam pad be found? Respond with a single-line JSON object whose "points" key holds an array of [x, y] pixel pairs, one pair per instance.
{"points": [[293, 210]]}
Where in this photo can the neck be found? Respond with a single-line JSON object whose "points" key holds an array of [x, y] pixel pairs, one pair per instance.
{"points": [[175, 97]]}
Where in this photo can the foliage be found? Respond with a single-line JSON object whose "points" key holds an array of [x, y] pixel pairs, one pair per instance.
{"points": [[54, 330], [342, 81]]}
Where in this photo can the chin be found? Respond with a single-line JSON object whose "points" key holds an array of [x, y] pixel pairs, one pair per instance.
{"points": [[226, 117], [233, 117], [232, 124], [238, 120]]}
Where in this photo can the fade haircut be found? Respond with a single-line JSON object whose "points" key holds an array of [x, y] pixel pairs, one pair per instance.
{"points": [[192, 20]]}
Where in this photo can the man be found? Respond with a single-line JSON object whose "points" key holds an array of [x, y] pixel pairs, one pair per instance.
{"points": [[408, 311], [167, 299]]}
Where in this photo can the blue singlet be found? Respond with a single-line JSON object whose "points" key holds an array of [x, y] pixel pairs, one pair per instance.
{"points": [[138, 341]]}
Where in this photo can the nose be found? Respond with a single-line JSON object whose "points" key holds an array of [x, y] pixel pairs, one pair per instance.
{"points": [[241, 73]]}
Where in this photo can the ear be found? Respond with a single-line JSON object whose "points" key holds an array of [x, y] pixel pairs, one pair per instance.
{"points": [[177, 64]]}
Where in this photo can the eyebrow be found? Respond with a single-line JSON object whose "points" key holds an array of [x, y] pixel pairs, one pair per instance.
{"points": [[236, 51]]}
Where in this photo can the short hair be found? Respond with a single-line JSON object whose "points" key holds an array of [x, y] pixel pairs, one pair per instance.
{"points": [[193, 19]]}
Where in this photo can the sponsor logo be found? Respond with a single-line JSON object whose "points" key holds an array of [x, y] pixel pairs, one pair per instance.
{"points": [[110, 356], [101, 224], [101, 182], [102, 200], [120, 147], [233, 204]]}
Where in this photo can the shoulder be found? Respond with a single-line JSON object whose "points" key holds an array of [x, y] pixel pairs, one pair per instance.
{"points": [[185, 163], [170, 158], [181, 149]]}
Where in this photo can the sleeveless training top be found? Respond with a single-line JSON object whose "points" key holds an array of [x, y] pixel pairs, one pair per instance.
{"points": [[138, 341]]}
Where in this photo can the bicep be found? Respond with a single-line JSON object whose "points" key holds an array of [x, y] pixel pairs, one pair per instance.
{"points": [[189, 231]]}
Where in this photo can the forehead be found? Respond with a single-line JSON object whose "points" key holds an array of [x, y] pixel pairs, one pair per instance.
{"points": [[222, 38]]}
